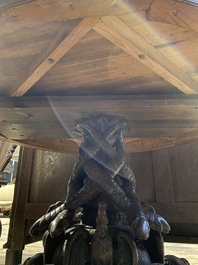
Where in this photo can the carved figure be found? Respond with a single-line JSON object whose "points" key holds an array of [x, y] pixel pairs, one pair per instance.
{"points": [[104, 187]]}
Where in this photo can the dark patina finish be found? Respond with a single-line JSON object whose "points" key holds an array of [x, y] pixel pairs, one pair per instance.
{"points": [[114, 227]]}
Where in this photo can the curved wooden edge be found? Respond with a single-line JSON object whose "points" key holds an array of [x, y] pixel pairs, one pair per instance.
{"points": [[28, 13], [131, 145], [183, 14]]}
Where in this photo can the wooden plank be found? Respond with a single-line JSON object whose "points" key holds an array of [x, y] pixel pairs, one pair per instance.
{"points": [[141, 164], [162, 35], [131, 145], [33, 211], [55, 145], [148, 117], [133, 132], [184, 164], [62, 33], [178, 212], [72, 39], [116, 31], [162, 174], [174, 12], [30, 14], [50, 170], [13, 256], [20, 199], [139, 103], [15, 242]]}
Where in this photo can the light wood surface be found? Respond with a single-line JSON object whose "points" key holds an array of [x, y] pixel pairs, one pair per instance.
{"points": [[118, 32], [175, 13], [115, 48], [164, 34], [138, 48], [72, 39], [166, 117]]}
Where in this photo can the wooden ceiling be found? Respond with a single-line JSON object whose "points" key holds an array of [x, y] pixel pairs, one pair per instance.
{"points": [[61, 60]]}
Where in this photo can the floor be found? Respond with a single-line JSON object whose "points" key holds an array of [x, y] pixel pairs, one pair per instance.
{"points": [[187, 251], [29, 251]]}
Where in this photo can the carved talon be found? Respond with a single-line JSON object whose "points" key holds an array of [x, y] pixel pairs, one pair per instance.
{"points": [[42, 224], [141, 227], [54, 206], [37, 228], [156, 222], [160, 225], [59, 224]]}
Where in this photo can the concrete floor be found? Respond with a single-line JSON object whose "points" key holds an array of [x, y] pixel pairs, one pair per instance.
{"points": [[187, 251]]}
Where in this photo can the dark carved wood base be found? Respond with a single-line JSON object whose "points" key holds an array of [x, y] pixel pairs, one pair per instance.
{"points": [[122, 231], [79, 246]]}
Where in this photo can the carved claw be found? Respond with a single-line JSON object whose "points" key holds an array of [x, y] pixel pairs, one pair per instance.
{"points": [[141, 227], [156, 222], [42, 224], [159, 224], [39, 227], [54, 206], [59, 224]]}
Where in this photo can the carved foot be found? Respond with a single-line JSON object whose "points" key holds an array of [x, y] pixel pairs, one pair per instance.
{"points": [[173, 260], [42, 224]]}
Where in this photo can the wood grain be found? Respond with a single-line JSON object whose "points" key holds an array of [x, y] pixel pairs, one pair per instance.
{"points": [[28, 13], [131, 145], [55, 117], [162, 174], [73, 38], [95, 65], [131, 42], [174, 12]]}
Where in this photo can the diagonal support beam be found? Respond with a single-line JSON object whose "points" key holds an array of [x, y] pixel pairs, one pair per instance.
{"points": [[120, 34], [6, 153], [72, 39]]}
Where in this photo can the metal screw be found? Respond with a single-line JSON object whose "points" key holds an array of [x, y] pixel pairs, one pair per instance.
{"points": [[174, 12], [50, 60], [141, 56]]}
